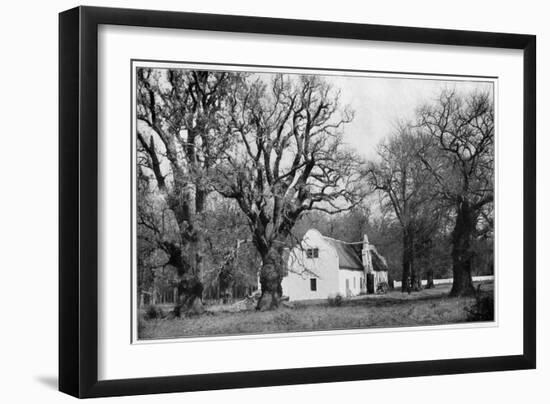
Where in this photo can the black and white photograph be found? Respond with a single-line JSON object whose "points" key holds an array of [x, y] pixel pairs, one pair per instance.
{"points": [[275, 200]]}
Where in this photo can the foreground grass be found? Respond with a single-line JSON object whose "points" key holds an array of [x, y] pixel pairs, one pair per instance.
{"points": [[395, 309]]}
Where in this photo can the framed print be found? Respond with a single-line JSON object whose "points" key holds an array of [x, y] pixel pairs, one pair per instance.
{"points": [[250, 201]]}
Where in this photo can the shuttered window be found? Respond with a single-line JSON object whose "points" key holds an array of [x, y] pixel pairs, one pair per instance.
{"points": [[313, 284]]}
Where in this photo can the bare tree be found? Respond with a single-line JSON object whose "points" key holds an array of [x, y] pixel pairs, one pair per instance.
{"points": [[463, 168], [289, 159], [180, 137], [405, 186], [153, 229], [232, 261], [430, 229]]}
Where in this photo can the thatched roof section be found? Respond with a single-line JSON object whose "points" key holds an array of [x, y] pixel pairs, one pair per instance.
{"points": [[350, 256], [378, 261]]}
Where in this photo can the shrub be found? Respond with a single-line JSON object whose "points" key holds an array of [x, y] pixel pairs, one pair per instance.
{"points": [[335, 301], [176, 311], [483, 309], [153, 312]]}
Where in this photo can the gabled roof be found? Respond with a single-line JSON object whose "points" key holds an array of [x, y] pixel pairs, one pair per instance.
{"points": [[378, 261], [349, 255]]}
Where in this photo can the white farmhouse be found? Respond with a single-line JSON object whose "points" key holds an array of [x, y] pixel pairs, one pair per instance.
{"points": [[322, 267]]}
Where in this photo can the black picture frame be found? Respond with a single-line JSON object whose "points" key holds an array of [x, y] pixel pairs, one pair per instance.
{"points": [[78, 200]]}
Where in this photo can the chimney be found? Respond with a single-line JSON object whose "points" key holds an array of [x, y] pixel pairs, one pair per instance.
{"points": [[365, 254]]}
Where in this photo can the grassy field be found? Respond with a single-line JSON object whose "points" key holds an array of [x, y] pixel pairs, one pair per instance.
{"points": [[394, 309]]}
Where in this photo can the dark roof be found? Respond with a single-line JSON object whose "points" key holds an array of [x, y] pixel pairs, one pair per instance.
{"points": [[349, 255], [378, 262]]}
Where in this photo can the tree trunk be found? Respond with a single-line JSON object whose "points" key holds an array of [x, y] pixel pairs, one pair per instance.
{"points": [[225, 283], [408, 275], [190, 296], [430, 281], [461, 251], [416, 279], [190, 286], [195, 287], [271, 275], [187, 204]]}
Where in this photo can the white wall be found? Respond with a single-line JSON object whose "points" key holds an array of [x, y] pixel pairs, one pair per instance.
{"points": [[330, 279], [28, 345], [354, 278], [301, 269]]}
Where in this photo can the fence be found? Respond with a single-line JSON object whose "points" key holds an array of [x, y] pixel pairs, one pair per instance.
{"points": [[397, 284]]}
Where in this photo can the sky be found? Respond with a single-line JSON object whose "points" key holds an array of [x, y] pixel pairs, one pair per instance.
{"points": [[380, 102]]}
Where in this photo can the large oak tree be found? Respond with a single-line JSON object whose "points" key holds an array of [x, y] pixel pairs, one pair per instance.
{"points": [[463, 167], [180, 134], [288, 158]]}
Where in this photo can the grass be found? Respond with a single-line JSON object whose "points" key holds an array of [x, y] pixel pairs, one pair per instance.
{"points": [[394, 309]]}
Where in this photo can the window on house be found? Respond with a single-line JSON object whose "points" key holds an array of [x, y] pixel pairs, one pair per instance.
{"points": [[313, 284], [312, 253], [354, 283]]}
